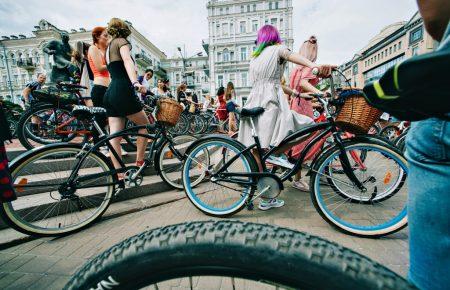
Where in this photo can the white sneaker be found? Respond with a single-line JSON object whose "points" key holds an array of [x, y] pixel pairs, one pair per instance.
{"points": [[301, 185], [271, 203], [280, 161]]}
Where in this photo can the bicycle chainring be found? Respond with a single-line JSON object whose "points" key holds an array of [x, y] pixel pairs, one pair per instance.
{"points": [[131, 180], [270, 186]]}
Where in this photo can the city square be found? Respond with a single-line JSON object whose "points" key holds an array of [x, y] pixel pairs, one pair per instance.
{"points": [[216, 150]]}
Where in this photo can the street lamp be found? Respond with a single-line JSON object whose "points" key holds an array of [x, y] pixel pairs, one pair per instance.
{"points": [[183, 59]]}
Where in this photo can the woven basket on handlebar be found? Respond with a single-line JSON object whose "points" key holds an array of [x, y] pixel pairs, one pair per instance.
{"points": [[169, 111], [356, 115]]}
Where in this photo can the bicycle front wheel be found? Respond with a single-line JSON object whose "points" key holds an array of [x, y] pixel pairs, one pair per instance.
{"points": [[168, 164], [46, 204], [218, 196], [377, 210], [232, 255]]}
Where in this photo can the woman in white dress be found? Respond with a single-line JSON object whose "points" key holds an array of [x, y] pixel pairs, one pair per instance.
{"points": [[277, 121]]}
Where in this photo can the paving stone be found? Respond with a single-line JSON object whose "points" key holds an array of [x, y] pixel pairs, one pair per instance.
{"points": [[66, 266], [39, 264], [10, 278], [24, 282], [6, 257], [16, 263]]}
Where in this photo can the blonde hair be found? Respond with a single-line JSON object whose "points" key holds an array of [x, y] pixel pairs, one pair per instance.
{"points": [[309, 50], [117, 28]]}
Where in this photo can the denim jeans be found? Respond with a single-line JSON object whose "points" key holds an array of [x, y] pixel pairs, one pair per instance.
{"points": [[428, 153]]}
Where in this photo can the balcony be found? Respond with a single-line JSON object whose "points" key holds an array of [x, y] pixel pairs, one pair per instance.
{"points": [[143, 60], [26, 64], [160, 72]]}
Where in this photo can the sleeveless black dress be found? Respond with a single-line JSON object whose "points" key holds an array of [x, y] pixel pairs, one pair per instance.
{"points": [[120, 99]]}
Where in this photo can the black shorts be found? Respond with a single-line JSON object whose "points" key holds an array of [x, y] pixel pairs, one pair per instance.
{"points": [[121, 100], [97, 95]]}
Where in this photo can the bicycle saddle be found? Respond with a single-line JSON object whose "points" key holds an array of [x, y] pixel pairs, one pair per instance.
{"points": [[253, 112], [84, 111]]}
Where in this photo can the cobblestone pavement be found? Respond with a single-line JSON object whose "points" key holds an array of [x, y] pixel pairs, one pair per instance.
{"points": [[48, 263]]}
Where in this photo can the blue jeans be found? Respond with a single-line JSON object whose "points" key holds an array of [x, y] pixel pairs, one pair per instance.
{"points": [[428, 153]]}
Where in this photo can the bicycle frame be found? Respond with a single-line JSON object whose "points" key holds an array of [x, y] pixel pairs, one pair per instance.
{"points": [[159, 138]]}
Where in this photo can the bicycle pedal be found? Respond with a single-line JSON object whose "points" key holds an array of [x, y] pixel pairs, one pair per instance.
{"points": [[120, 187], [250, 206]]}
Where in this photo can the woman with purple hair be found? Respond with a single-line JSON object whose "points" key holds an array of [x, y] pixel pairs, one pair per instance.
{"points": [[277, 121]]}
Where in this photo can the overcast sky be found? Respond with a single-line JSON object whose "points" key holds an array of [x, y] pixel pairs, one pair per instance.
{"points": [[342, 26]]}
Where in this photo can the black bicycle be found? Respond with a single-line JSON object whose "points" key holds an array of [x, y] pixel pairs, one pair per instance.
{"points": [[64, 187], [357, 184], [232, 255]]}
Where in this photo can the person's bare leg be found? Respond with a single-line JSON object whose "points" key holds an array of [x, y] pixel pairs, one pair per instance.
{"points": [[116, 124], [140, 119]]}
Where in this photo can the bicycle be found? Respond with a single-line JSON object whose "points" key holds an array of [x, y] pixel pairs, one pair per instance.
{"points": [[49, 119], [393, 131], [345, 188], [65, 187], [232, 255]]}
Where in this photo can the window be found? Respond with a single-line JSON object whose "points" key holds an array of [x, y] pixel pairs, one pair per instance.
{"points": [[217, 29], [243, 53], [221, 11], [400, 45], [227, 10], [270, 5], [416, 35], [242, 27], [219, 57], [273, 21], [390, 50], [226, 55], [242, 9], [276, 5], [233, 78], [244, 79], [255, 25], [220, 80], [254, 7], [378, 71], [177, 78], [281, 24], [248, 8], [415, 50], [232, 55], [231, 28], [355, 69], [225, 29], [395, 47], [385, 52]]}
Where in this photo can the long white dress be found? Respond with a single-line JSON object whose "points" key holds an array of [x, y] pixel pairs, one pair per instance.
{"points": [[277, 121]]}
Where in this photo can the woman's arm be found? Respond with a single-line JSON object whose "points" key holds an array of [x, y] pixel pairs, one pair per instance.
{"points": [[129, 67], [323, 70], [96, 57], [306, 86]]}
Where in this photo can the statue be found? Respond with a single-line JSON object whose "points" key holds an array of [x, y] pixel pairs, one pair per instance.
{"points": [[61, 52]]}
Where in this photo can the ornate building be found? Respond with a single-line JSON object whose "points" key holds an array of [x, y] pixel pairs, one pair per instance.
{"points": [[395, 43], [21, 57], [233, 26]]}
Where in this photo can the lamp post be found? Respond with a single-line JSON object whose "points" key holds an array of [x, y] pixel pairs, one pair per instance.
{"points": [[11, 90], [184, 58]]}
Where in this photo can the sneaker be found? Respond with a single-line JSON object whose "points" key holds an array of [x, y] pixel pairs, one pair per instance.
{"points": [[280, 161], [301, 185], [104, 150], [271, 203]]}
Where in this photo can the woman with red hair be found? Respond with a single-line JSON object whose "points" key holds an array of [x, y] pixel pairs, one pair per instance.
{"points": [[97, 62]]}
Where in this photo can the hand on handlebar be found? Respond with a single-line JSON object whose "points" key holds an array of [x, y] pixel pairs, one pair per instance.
{"points": [[140, 88], [324, 71]]}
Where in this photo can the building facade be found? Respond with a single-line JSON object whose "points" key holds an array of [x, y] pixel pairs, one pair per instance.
{"points": [[233, 26], [194, 71], [395, 43], [21, 57]]}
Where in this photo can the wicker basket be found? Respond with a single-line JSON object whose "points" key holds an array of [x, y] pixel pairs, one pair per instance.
{"points": [[356, 115], [169, 111]]}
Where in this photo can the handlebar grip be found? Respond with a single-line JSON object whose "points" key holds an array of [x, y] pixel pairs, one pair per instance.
{"points": [[315, 71]]}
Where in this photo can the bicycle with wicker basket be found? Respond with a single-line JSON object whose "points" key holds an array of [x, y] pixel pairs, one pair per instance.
{"points": [[62, 188], [358, 184]]}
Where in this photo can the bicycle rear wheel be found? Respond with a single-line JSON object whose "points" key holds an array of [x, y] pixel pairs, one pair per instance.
{"points": [[232, 255], [217, 196], [378, 211], [46, 205]]}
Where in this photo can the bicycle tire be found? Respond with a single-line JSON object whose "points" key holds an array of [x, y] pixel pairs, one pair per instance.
{"points": [[274, 255], [8, 213], [397, 224], [23, 134], [231, 144]]}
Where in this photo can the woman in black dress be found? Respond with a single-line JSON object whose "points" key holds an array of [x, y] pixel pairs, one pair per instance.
{"points": [[121, 101]]}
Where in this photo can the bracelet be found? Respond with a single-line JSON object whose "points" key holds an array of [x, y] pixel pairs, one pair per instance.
{"points": [[134, 83]]}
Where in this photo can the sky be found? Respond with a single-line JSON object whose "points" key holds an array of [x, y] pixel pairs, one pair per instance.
{"points": [[342, 27]]}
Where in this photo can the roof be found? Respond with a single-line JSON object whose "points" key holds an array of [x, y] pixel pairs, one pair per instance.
{"points": [[386, 31]]}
